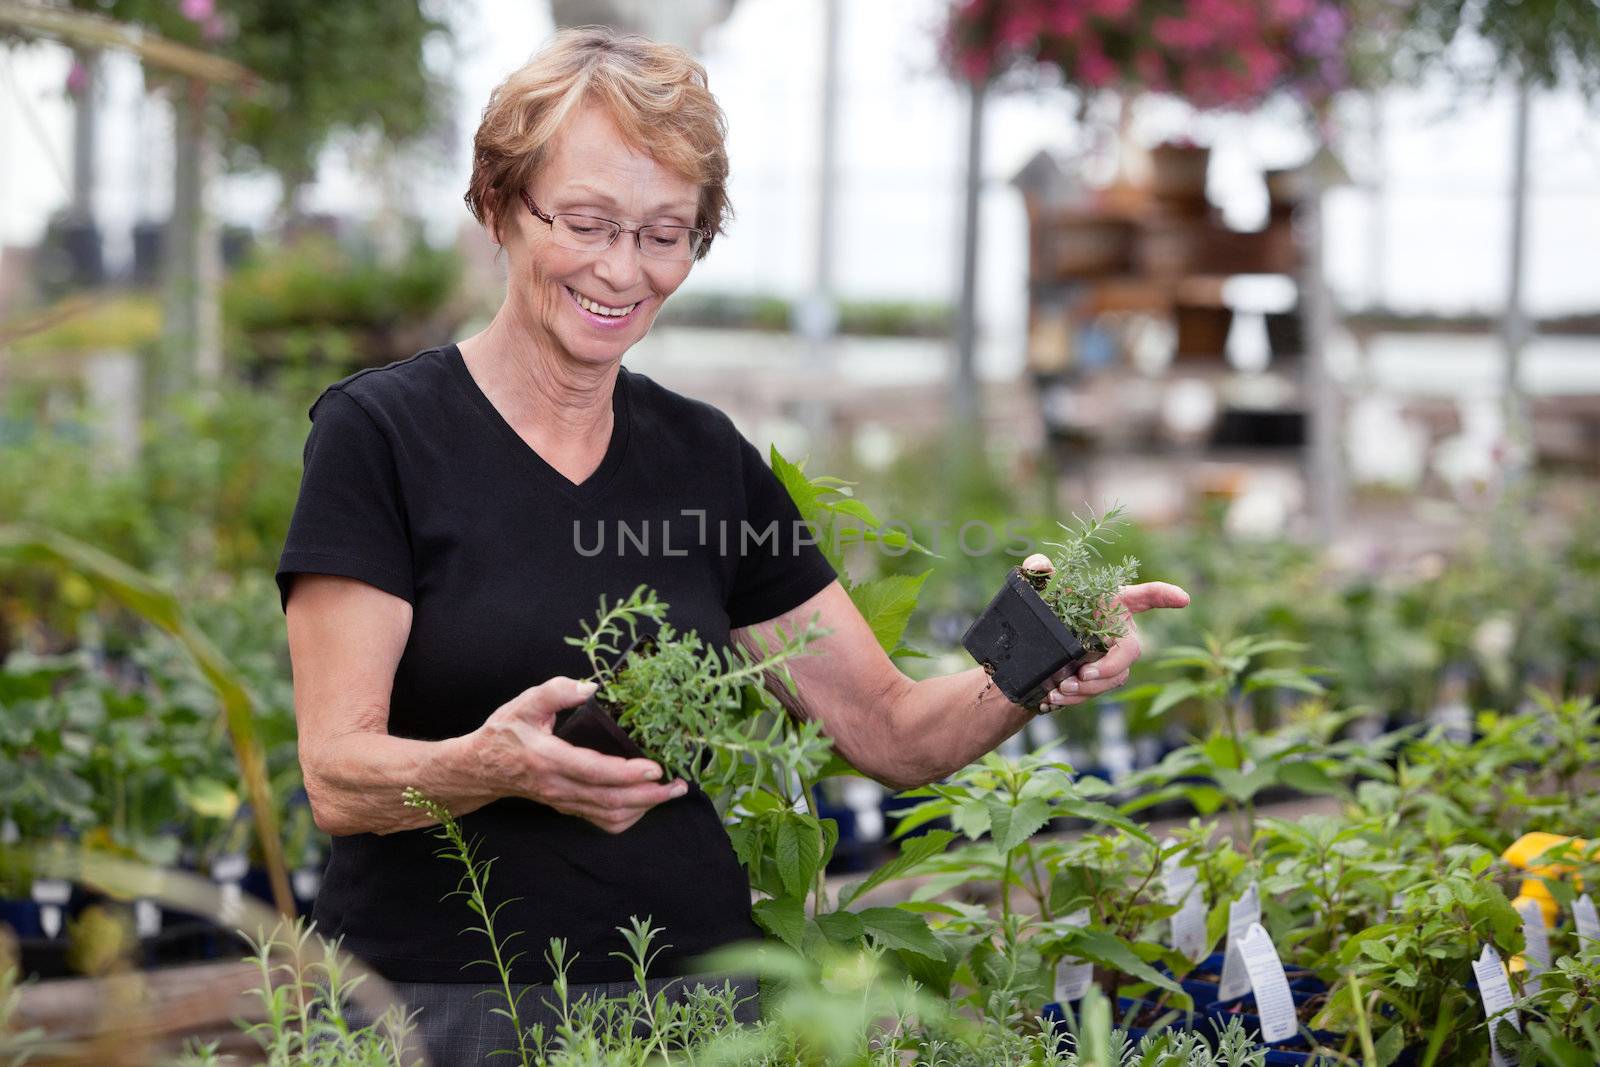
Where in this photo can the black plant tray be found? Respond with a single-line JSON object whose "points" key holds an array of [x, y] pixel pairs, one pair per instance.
{"points": [[1021, 643]]}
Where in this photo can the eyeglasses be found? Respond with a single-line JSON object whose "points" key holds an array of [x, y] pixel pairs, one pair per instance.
{"points": [[586, 233]]}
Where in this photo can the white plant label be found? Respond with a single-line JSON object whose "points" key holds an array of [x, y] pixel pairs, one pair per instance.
{"points": [[1241, 913], [1271, 986], [1586, 919], [146, 918], [1074, 976], [1495, 989], [228, 871], [1536, 956], [52, 895], [1184, 893]]}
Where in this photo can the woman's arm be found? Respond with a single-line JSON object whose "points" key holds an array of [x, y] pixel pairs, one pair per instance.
{"points": [[906, 733], [345, 641]]}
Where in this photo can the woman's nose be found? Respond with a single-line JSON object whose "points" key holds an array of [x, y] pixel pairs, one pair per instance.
{"points": [[619, 266]]}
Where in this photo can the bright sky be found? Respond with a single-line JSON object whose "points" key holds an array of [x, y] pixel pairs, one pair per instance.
{"points": [[1438, 244]]}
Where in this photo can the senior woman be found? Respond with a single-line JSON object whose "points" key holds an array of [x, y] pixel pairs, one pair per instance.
{"points": [[433, 569]]}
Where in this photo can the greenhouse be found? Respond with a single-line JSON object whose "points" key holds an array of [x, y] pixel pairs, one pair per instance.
{"points": [[967, 533]]}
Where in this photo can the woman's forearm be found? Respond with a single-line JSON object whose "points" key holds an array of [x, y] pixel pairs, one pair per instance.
{"points": [[355, 780], [936, 726]]}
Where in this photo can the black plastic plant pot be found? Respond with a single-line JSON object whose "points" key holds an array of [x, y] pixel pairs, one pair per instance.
{"points": [[590, 725], [1021, 643]]}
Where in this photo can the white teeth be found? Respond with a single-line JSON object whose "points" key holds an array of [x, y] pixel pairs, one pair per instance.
{"points": [[601, 309]]}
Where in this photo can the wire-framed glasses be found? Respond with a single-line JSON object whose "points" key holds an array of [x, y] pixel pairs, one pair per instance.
{"points": [[588, 233]]}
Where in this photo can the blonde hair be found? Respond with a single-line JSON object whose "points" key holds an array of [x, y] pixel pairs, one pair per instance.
{"points": [[655, 93]]}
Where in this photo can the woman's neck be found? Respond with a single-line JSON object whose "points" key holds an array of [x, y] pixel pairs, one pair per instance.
{"points": [[560, 405]]}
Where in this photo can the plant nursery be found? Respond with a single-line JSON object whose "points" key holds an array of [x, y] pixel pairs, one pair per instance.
{"points": [[799, 533]]}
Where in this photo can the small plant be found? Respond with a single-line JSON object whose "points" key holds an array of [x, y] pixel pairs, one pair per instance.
{"points": [[693, 708], [1082, 591], [305, 987]]}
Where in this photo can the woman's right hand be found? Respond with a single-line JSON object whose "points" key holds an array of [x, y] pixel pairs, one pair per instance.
{"points": [[518, 750]]}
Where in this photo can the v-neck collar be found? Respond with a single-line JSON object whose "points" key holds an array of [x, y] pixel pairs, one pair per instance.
{"points": [[582, 491]]}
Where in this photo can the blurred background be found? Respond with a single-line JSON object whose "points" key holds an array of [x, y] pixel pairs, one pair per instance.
{"points": [[1308, 286]]}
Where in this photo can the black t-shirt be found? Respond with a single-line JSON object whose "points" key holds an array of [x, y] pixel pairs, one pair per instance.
{"points": [[415, 484]]}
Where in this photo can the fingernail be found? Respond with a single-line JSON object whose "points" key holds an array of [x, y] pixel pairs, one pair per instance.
{"points": [[1070, 685], [1045, 706], [1089, 673], [679, 789], [651, 773], [588, 688]]}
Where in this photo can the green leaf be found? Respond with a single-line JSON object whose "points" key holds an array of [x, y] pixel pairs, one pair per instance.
{"points": [[897, 928], [1011, 826], [209, 798], [887, 603], [784, 919], [1171, 694], [1096, 812], [912, 854], [1112, 953], [840, 926], [1309, 777]]}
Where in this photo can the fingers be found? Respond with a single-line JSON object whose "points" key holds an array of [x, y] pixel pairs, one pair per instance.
{"points": [[1147, 595], [1118, 658], [1038, 562], [588, 767], [614, 810], [1073, 691]]}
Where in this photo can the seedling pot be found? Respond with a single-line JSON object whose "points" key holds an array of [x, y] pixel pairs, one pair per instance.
{"points": [[1021, 643], [590, 725], [593, 724]]}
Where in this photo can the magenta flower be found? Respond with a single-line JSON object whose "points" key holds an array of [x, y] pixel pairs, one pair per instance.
{"points": [[197, 10]]}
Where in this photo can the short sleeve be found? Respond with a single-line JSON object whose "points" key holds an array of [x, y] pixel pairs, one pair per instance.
{"points": [[349, 519], [780, 566]]}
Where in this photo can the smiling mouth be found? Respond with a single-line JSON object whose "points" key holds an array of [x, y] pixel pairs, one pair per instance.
{"points": [[594, 307]]}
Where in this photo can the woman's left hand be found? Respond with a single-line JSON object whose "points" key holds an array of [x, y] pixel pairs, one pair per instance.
{"points": [[1105, 673]]}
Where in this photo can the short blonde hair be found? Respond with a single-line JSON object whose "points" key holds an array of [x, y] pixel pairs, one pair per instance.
{"points": [[656, 94]]}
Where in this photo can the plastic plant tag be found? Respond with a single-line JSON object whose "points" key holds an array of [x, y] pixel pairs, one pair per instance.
{"points": [[1116, 754], [1536, 956], [228, 871], [1585, 918], [305, 882], [1074, 976], [1181, 883], [1235, 980], [146, 918], [51, 894], [1271, 985], [1495, 989]]}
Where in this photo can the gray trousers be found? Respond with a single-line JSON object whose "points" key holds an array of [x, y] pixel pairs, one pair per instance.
{"points": [[456, 1026]]}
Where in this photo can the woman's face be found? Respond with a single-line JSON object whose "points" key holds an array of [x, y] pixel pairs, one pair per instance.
{"points": [[591, 170]]}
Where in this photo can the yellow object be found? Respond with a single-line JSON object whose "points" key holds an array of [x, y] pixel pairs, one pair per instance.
{"points": [[1528, 848]]}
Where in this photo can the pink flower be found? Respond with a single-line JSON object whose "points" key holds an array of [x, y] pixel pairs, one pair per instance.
{"points": [[973, 64], [1064, 20], [214, 29], [77, 78], [1020, 29], [197, 10], [1112, 9], [1094, 69]]}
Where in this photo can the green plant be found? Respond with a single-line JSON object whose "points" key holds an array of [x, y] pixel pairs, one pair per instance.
{"points": [[694, 708], [1081, 591], [305, 989], [1006, 960], [1414, 969]]}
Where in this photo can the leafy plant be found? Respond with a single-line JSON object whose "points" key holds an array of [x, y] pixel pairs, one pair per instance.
{"points": [[693, 707], [1081, 591], [305, 989]]}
